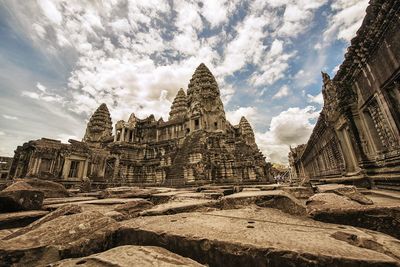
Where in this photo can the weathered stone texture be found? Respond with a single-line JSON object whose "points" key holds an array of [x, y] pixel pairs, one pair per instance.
{"points": [[126, 256], [74, 235]]}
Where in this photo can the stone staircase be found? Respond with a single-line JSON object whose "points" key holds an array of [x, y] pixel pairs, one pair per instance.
{"points": [[175, 174]]}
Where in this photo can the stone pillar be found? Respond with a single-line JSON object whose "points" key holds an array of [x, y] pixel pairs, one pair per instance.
{"points": [[116, 169], [67, 165], [122, 138], [85, 168]]}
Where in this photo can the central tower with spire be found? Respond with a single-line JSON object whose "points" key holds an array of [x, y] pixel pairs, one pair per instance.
{"points": [[205, 108]]}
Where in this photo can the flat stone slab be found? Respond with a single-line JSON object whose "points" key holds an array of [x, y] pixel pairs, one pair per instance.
{"points": [[385, 193], [127, 256], [69, 236], [273, 199], [106, 201], [66, 200], [261, 237], [333, 208], [20, 218], [178, 205]]}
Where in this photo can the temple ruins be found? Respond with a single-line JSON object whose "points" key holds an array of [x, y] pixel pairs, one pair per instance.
{"points": [[196, 145]]}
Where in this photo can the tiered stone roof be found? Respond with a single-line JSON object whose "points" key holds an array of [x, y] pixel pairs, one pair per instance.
{"points": [[100, 125], [246, 130], [179, 106], [245, 126], [203, 83]]}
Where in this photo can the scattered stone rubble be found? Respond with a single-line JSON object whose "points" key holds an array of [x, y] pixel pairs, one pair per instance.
{"points": [[263, 225]]}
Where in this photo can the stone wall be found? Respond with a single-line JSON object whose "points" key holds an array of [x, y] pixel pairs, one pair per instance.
{"points": [[356, 137]]}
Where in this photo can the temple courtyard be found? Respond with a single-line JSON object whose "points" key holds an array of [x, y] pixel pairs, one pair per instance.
{"points": [[259, 225]]}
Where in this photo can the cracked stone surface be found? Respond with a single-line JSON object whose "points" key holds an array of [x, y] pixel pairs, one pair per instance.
{"points": [[126, 256], [260, 237]]}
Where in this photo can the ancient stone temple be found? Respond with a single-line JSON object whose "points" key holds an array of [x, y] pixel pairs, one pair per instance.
{"points": [[356, 137], [196, 145]]}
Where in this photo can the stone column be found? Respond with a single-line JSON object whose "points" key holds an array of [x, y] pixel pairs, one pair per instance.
{"points": [[67, 164], [85, 168], [122, 138]]}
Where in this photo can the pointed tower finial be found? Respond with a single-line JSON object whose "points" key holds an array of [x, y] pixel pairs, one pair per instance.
{"points": [[179, 105], [325, 77]]}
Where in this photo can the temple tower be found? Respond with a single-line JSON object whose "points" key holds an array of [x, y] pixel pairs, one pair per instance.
{"points": [[206, 110], [247, 132], [99, 127], [179, 107]]}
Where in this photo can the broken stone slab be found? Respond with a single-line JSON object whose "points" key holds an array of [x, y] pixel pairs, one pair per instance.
{"points": [[18, 185], [69, 236], [64, 210], [49, 188], [134, 207], [326, 201], [20, 218], [6, 232], [300, 192], [250, 189], [333, 208], [272, 199], [128, 192], [66, 200], [225, 190], [260, 237], [18, 200], [129, 210], [99, 202], [349, 191], [127, 256], [179, 205], [163, 197]]}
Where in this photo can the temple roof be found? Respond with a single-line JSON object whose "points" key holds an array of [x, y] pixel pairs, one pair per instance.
{"points": [[203, 81], [179, 105], [245, 126], [99, 123]]}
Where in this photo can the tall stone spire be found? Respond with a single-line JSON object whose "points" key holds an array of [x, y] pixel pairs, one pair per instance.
{"points": [[99, 126], [204, 100], [203, 83], [179, 106], [247, 131]]}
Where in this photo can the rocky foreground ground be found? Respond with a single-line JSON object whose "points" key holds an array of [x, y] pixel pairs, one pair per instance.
{"points": [[42, 224]]}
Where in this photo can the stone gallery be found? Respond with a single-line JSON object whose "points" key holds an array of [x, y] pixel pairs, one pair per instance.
{"points": [[196, 145], [357, 135]]}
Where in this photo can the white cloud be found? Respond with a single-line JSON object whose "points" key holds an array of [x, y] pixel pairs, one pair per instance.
{"points": [[8, 117], [247, 46], [2, 133], [50, 10], [234, 116], [41, 87], [43, 94], [291, 127], [284, 91], [346, 20], [315, 99], [120, 26]]}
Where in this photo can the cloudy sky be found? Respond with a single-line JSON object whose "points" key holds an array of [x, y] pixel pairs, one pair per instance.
{"points": [[60, 59]]}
